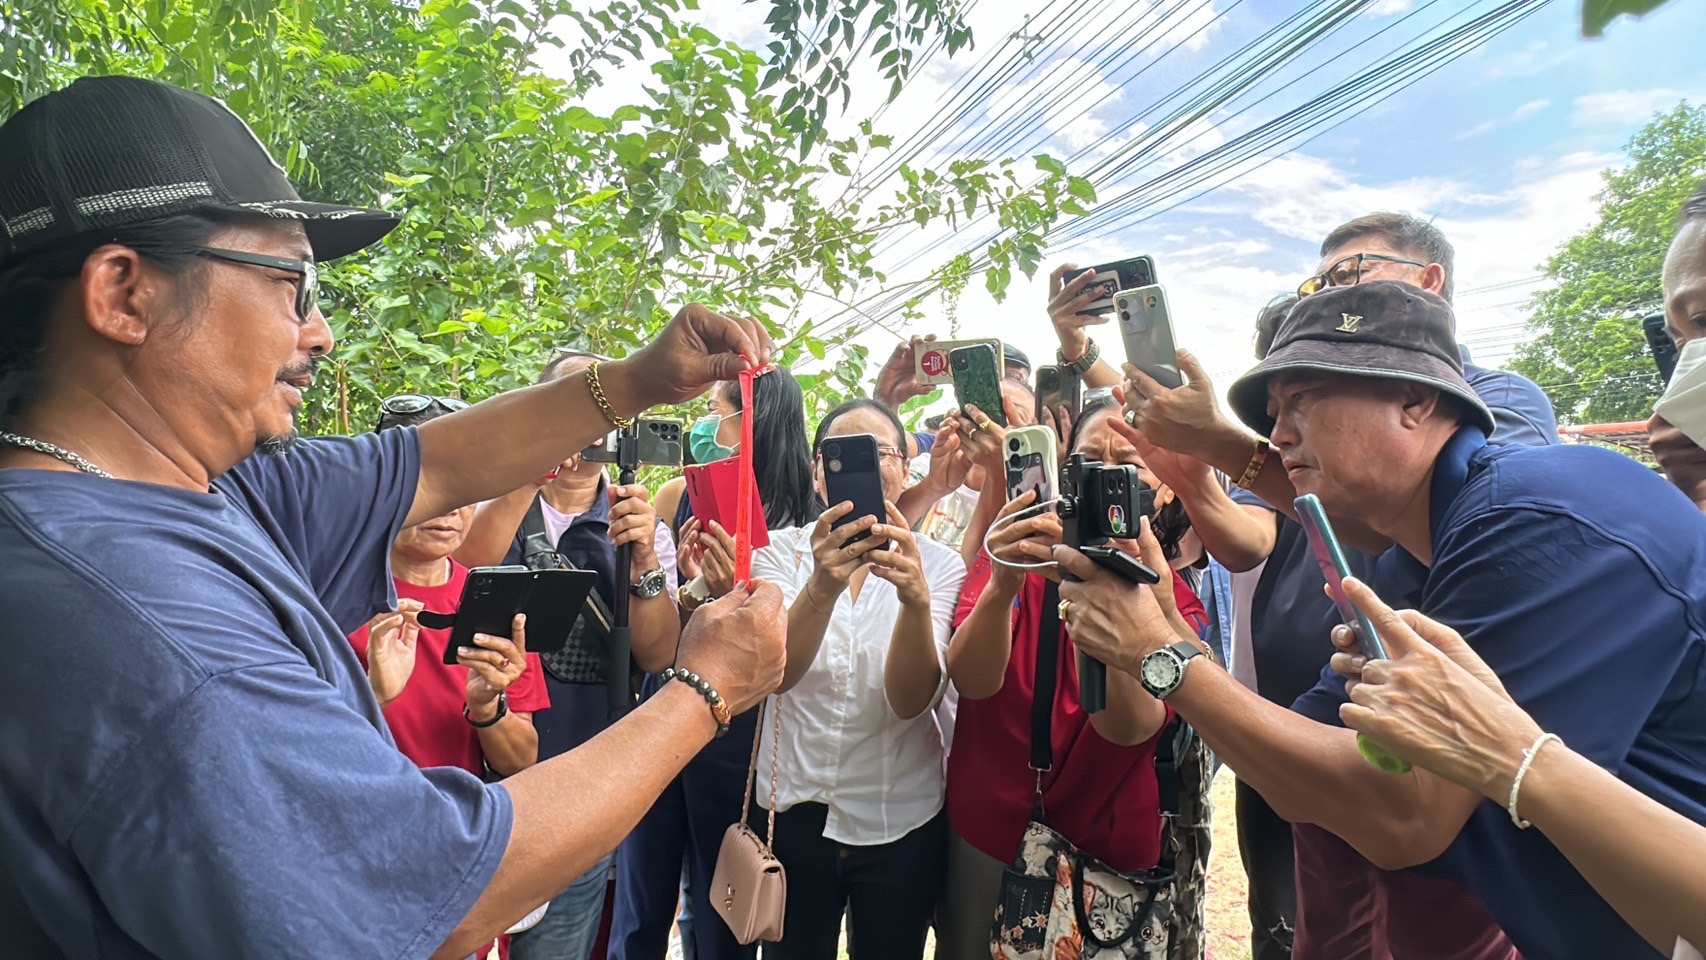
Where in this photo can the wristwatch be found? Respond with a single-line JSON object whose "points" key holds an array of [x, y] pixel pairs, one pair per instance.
{"points": [[1164, 670], [1082, 365], [503, 708], [650, 584], [693, 594]]}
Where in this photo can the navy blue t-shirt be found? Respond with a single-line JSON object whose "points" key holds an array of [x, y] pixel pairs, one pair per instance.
{"points": [[192, 763], [1580, 577]]}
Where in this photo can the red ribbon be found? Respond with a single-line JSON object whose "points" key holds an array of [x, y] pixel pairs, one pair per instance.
{"points": [[746, 481]]}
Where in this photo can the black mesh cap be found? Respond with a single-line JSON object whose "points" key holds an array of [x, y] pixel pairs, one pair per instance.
{"points": [[113, 151]]}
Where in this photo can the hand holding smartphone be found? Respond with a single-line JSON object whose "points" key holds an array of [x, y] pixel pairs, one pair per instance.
{"points": [[1312, 516], [977, 381], [1146, 327], [852, 473]]}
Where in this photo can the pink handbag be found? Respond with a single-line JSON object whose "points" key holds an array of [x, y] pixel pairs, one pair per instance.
{"points": [[749, 889]]}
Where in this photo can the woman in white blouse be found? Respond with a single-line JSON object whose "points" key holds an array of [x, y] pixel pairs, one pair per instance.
{"points": [[859, 783]]}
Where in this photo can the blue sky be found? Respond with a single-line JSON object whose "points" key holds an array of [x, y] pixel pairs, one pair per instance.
{"points": [[1504, 146]]}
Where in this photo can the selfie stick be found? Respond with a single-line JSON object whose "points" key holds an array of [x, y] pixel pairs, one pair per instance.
{"points": [[1092, 673], [621, 641]]}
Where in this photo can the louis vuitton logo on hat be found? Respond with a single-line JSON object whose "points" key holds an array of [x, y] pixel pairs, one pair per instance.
{"points": [[1348, 323]]}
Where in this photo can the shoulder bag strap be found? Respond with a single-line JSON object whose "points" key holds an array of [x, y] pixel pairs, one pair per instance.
{"points": [[1047, 679], [752, 765]]}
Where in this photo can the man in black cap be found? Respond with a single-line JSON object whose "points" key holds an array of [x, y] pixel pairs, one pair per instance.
{"points": [[1575, 572], [193, 763]]}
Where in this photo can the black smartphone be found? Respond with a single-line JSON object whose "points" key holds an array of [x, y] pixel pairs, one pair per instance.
{"points": [[852, 472], [604, 451], [1123, 565], [1663, 347], [660, 441], [492, 596], [977, 380], [1059, 386], [1114, 277]]}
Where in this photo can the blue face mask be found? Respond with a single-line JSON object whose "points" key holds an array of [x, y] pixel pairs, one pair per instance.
{"points": [[702, 440]]}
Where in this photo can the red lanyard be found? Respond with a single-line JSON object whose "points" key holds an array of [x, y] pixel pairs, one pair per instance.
{"points": [[746, 481]]}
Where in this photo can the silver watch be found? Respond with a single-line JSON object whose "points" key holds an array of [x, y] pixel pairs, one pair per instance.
{"points": [[1163, 671], [650, 584]]}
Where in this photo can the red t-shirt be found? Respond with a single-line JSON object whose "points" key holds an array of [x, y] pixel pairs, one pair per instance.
{"points": [[1349, 909], [1101, 796], [426, 719]]}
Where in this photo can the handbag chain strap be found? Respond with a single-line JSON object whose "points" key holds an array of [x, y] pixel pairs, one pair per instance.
{"points": [[752, 765]]}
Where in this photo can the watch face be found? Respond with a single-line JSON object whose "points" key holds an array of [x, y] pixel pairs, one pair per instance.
{"points": [[1160, 670]]}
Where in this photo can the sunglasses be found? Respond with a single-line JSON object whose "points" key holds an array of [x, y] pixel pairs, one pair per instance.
{"points": [[1348, 272], [307, 274], [409, 404]]}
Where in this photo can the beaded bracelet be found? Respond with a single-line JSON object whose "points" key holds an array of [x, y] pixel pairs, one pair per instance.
{"points": [[1522, 771], [719, 707]]}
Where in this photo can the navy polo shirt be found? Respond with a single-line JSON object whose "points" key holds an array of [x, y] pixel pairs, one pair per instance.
{"points": [[1580, 577]]}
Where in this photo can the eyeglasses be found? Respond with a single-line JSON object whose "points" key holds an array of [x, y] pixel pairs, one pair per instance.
{"points": [[1348, 272], [884, 451], [307, 274], [409, 404]]}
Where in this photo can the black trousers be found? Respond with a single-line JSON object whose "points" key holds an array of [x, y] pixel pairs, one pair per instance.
{"points": [[887, 892], [1264, 844]]}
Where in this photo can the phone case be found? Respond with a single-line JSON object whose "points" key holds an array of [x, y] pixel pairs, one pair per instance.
{"points": [[977, 380], [492, 596], [1032, 463], [851, 472], [713, 489], [1146, 327], [604, 451], [1059, 386], [660, 441], [931, 361], [1325, 545], [1115, 277]]}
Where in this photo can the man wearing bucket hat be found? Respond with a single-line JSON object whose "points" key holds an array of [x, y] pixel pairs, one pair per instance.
{"points": [[1576, 573], [193, 764]]}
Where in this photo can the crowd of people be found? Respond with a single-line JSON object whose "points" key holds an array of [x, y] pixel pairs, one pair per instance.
{"points": [[269, 749]]}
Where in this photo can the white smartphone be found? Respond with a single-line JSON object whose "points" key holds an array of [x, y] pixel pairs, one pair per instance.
{"points": [[1146, 326], [1033, 462]]}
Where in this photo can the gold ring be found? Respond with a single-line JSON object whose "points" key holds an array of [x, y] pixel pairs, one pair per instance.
{"points": [[1064, 610], [1131, 418], [987, 424]]}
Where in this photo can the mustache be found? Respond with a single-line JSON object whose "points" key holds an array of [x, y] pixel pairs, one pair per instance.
{"points": [[306, 368]]}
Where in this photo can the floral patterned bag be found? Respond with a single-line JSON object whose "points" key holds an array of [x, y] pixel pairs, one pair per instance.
{"points": [[1060, 903]]}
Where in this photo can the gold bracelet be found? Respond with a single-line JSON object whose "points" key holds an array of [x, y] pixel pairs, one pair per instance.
{"points": [[807, 590], [598, 397], [1257, 460]]}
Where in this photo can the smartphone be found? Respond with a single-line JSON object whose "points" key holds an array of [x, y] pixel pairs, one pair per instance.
{"points": [[1114, 277], [852, 473], [977, 380], [931, 360], [492, 596], [1032, 462], [604, 451], [1331, 557], [1146, 326], [660, 441], [1059, 386], [1663, 347], [713, 491]]}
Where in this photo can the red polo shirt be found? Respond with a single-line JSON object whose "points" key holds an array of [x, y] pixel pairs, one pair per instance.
{"points": [[426, 720], [1099, 795]]}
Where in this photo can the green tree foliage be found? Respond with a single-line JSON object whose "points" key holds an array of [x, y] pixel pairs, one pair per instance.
{"points": [[532, 223], [1588, 352]]}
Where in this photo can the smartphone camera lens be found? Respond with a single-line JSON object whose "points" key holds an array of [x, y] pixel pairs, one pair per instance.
{"points": [[1013, 461], [832, 450], [834, 466], [1013, 445]]}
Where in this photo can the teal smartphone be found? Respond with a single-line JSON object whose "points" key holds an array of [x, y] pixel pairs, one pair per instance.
{"points": [[1313, 518], [977, 380]]}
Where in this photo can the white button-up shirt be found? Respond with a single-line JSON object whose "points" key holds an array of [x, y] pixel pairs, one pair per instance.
{"points": [[842, 746]]}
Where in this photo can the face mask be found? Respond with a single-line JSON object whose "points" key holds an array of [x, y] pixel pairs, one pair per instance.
{"points": [[702, 440]]}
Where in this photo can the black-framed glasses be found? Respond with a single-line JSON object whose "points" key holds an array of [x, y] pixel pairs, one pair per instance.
{"points": [[308, 275], [409, 404], [1348, 272]]}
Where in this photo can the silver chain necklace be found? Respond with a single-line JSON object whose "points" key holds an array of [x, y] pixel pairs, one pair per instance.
{"points": [[56, 452]]}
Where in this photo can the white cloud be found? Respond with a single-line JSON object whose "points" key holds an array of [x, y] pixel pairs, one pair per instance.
{"points": [[1390, 8], [1529, 109], [1624, 107], [1523, 112]]}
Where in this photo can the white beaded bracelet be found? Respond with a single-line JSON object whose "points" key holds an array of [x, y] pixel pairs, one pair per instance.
{"points": [[1522, 771]]}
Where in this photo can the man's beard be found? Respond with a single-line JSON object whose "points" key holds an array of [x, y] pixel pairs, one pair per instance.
{"points": [[277, 446]]}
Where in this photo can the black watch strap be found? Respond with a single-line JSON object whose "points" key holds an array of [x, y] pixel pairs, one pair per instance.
{"points": [[503, 711]]}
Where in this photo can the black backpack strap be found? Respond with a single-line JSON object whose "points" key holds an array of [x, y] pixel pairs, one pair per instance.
{"points": [[1172, 748], [1047, 679]]}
